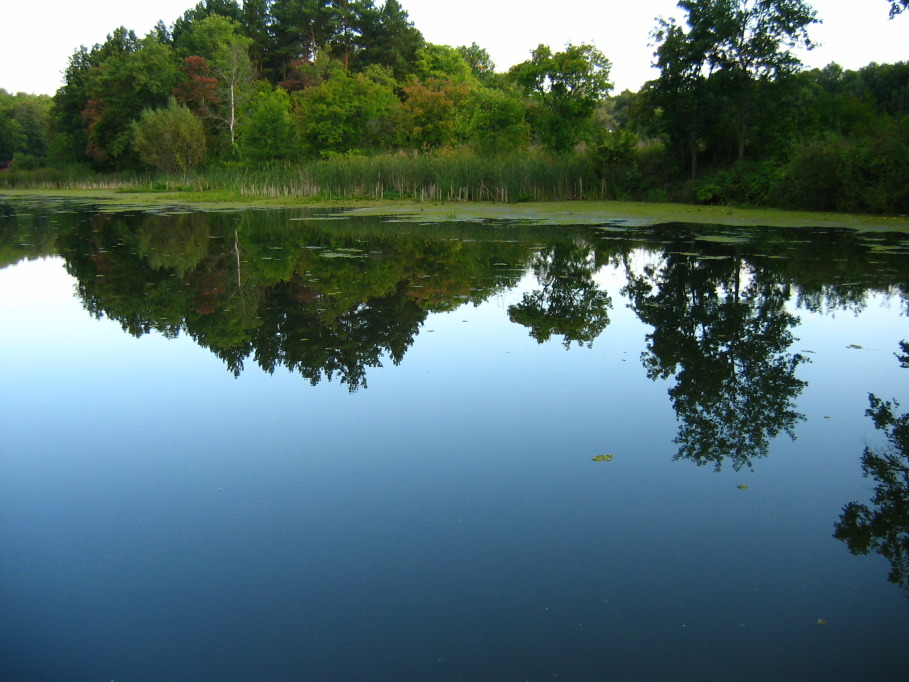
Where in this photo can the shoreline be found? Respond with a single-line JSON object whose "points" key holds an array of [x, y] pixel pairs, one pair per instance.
{"points": [[579, 212]]}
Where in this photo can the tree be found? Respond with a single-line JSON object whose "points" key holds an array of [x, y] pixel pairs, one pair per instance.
{"points": [[442, 62], [481, 65], [495, 121], [131, 75], [348, 112], [68, 105], [268, 133], [564, 88], [301, 29], [24, 122], [228, 9], [388, 38], [171, 139], [897, 6], [221, 42], [677, 105], [435, 111], [740, 42]]}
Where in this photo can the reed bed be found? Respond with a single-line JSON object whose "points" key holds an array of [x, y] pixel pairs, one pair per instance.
{"points": [[420, 177]]}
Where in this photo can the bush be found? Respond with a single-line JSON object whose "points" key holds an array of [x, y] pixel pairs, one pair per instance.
{"points": [[856, 174], [172, 139]]}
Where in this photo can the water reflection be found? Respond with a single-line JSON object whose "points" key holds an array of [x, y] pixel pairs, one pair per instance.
{"points": [[330, 298], [721, 328], [568, 303], [883, 527], [324, 302]]}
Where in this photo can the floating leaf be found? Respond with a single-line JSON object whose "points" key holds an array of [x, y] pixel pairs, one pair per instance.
{"points": [[821, 621], [742, 487], [603, 458], [854, 345]]}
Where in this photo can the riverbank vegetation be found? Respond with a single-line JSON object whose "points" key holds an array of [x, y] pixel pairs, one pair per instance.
{"points": [[332, 100]]}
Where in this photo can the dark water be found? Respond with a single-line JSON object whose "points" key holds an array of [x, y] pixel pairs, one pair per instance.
{"points": [[269, 445]]}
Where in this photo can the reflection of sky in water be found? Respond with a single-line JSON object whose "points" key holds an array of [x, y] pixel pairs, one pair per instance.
{"points": [[164, 520]]}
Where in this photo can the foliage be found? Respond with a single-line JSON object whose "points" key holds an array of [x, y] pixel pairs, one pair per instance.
{"points": [[268, 133], [139, 74], [565, 88], [435, 112], [442, 63], [363, 81], [860, 173], [494, 121], [171, 139], [729, 47], [24, 124], [348, 113]]}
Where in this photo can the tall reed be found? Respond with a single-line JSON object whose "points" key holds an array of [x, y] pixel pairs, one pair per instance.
{"points": [[455, 176]]}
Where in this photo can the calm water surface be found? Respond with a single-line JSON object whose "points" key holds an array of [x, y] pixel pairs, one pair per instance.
{"points": [[283, 445]]}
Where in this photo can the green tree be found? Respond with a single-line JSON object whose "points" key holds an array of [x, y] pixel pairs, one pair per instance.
{"points": [[129, 76], [221, 42], [268, 132], [481, 65], [348, 112], [435, 112], [68, 106], [495, 121], [24, 125], [442, 62], [677, 106], [564, 89], [229, 9], [170, 139], [739, 43], [387, 37]]}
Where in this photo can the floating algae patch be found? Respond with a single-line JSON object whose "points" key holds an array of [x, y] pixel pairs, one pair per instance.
{"points": [[341, 254], [722, 239]]}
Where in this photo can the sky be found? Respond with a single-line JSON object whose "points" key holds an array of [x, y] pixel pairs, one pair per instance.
{"points": [[36, 41]]}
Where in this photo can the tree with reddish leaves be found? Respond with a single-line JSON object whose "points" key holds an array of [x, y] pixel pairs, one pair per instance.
{"points": [[199, 91]]}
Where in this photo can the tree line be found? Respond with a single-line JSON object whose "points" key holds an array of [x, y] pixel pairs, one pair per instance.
{"points": [[732, 118]]}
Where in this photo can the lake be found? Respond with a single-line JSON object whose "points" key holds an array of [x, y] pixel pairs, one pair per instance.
{"points": [[311, 445]]}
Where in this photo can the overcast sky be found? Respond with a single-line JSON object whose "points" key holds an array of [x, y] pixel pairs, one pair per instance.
{"points": [[37, 39]]}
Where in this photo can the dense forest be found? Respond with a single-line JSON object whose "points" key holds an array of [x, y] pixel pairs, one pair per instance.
{"points": [[345, 98]]}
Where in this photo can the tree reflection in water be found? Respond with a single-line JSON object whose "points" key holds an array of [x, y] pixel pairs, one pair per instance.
{"points": [[720, 327], [883, 527], [569, 303]]}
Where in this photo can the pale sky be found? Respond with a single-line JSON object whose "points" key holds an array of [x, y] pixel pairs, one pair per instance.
{"points": [[37, 40]]}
